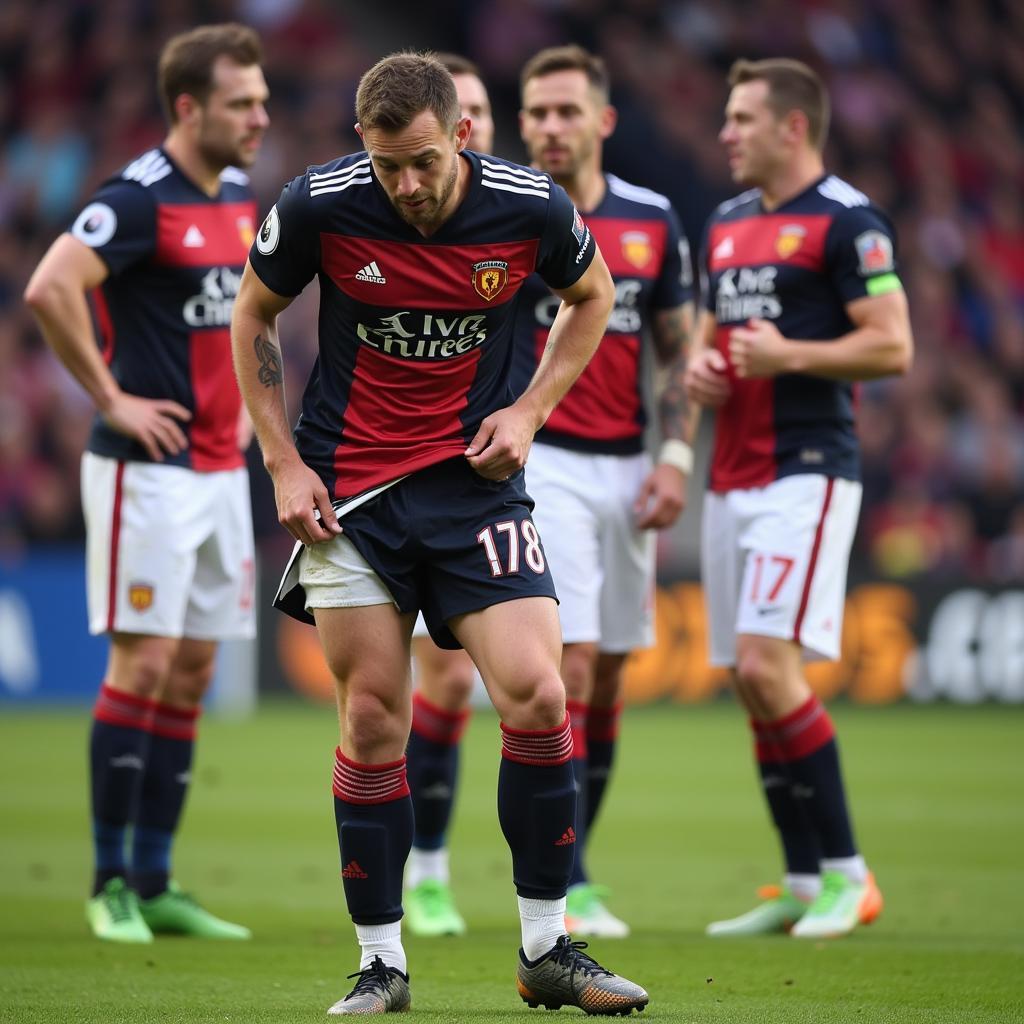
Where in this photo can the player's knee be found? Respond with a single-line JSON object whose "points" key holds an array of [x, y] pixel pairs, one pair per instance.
{"points": [[757, 671], [374, 727], [545, 707], [188, 684], [145, 674], [579, 665], [450, 686]]}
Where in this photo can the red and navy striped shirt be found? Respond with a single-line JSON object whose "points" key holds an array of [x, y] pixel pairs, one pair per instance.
{"points": [[646, 252], [416, 333], [175, 257], [798, 266]]}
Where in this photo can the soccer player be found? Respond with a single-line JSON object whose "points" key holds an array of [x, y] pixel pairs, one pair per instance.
{"points": [[593, 482], [802, 299], [161, 246], [421, 247], [444, 679]]}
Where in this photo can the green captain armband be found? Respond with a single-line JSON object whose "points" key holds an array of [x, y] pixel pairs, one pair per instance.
{"points": [[883, 284]]}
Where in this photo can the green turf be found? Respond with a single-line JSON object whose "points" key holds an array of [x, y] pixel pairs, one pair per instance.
{"points": [[938, 794]]}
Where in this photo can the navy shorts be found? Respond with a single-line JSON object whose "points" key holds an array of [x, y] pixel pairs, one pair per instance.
{"points": [[447, 541]]}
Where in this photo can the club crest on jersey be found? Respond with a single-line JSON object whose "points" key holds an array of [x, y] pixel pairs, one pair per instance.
{"points": [[637, 248], [246, 231], [791, 237], [490, 278], [874, 253], [140, 596]]}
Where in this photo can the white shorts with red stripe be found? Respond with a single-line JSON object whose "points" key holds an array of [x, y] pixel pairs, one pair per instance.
{"points": [[602, 565], [169, 551], [774, 563]]}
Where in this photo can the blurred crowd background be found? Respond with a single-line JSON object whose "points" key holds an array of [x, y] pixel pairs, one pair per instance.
{"points": [[927, 98]]}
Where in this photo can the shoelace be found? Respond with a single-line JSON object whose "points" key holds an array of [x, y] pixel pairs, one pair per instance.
{"points": [[832, 887], [570, 954], [371, 978], [120, 904]]}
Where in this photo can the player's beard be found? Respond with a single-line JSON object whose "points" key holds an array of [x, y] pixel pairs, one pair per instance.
{"points": [[430, 212], [217, 151]]}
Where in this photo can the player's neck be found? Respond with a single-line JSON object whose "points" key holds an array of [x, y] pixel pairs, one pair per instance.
{"points": [[192, 165], [586, 189], [790, 181]]}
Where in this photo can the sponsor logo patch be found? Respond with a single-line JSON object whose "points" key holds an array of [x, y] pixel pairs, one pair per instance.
{"points": [[95, 225], [270, 233], [874, 253], [489, 278]]}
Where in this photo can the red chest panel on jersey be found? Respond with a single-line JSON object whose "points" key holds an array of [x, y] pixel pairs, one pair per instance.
{"points": [[400, 275], [781, 239], [204, 234], [631, 248]]}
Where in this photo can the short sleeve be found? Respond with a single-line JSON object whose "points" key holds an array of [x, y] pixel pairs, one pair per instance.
{"points": [[566, 247], [674, 284], [286, 251], [118, 224], [861, 253]]}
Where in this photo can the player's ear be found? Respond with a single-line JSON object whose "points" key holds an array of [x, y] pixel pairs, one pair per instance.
{"points": [[462, 133], [796, 126], [359, 131], [186, 108], [608, 120]]}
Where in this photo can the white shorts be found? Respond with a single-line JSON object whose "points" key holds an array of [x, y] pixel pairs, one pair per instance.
{"points": [[602, 565], [169, 551], [774, 563], [334, 575]]}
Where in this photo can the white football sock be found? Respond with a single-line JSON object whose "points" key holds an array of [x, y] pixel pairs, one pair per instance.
{"points": [[426, 864], [543, 924], [804, 887], [383, 940], [853, 867]]}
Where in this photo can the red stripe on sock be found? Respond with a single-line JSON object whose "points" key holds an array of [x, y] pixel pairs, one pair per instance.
{"points": [[765, 745], [804, 730], [539, 747], [603, 723], [816, 547], [116, 707], [577, 712], [173, 723], [437, 724], [357, 783]]}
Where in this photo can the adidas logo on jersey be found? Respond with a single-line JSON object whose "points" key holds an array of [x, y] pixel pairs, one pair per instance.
{"points": [[371, 274], [194, 238], [724, 249]]}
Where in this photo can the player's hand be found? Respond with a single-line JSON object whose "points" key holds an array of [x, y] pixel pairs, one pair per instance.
{"points": [[303, 505], [662, 498], [758, 350], [502, 444], [705, 379], [153, 422]]}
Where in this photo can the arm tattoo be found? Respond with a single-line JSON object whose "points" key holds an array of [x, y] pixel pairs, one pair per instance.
{"points": [[671, 341], [271, 373]]}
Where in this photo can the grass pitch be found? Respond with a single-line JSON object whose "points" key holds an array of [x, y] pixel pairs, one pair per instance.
{"points": [[684, 838]]}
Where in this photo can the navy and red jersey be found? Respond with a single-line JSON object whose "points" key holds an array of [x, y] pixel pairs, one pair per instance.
{"points": [[798, 266], [175, 257], [646, 252], [416, 333]]}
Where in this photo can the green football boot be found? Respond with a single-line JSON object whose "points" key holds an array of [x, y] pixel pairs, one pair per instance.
{"points": [[174, 912], [779, 912], [840, 907], [113, 914], [430, 910], [586, 914]]}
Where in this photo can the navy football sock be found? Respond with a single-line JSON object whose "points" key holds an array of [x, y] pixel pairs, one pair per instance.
{"points": [[373, 814], [806, 739], [796, 833], [602, 738], [164, 788], [118, 746], [577, 712], [537, 808], [432, 758]]}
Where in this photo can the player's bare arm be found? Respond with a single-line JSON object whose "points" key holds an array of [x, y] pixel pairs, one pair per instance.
{"points": [[880, 345], [662, 496], [502, 444], [298, 491], [705, 379], [56, 294]]}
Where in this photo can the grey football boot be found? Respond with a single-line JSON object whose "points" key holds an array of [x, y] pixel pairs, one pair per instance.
{"points": [[566, 976], [380, 989]]}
